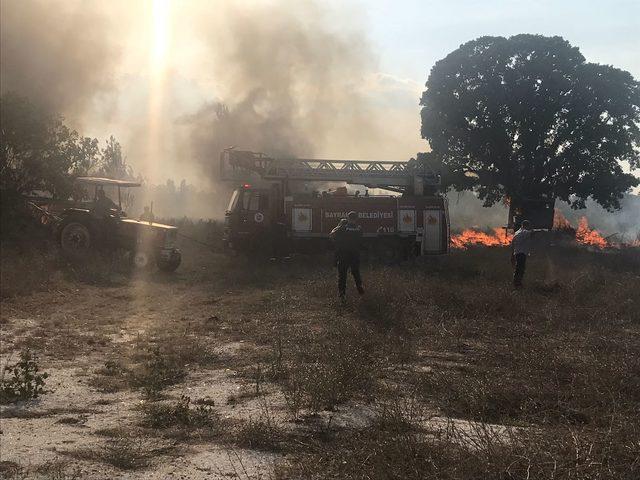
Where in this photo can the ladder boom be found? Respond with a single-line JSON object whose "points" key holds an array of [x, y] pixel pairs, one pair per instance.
{"points": [[370, 173]]}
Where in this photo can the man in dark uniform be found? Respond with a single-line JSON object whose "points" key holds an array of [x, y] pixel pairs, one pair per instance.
{"points": [[103, 206], [347, 237]]}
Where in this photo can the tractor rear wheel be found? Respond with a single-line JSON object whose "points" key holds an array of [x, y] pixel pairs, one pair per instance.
{"points": [[75, 240]]}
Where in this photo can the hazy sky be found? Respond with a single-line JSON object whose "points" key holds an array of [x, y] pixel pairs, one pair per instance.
{"points": [[338, 79]]}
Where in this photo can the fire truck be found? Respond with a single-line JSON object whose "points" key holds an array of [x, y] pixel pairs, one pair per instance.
{"points": [[273, 204]]}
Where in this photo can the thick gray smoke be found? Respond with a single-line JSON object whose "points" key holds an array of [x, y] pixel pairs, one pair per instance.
{"points": [[289, 83], [58, 54]]}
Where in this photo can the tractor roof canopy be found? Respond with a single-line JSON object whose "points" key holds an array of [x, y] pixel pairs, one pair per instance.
{"points": [[98, 181]]}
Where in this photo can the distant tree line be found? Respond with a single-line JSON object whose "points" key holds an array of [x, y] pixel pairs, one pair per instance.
{"points": [[40, 154]]}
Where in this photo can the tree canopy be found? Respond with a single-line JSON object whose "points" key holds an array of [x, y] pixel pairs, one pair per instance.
{"points": [[39, 152], [528, 117]]}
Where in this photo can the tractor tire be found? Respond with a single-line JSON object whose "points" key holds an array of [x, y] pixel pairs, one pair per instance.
{"points": [[76, 240], [140, 260], [169, 264]]}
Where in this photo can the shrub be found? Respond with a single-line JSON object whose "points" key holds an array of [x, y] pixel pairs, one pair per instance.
{"points": [[25, 382], [181, 419], [157, 372]]}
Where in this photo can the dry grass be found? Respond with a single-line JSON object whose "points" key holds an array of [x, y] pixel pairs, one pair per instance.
{"points": [[399, 446], [265, 432], [554, 365], [45, 471], [122, 449], [557, 360]]}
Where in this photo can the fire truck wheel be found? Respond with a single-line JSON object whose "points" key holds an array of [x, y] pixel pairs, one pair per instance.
{"points": [[169, 264], [140, 260], [75, 240]]}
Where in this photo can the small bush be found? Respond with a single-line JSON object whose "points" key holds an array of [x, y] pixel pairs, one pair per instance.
{"points": [[125, 452], [182, 419], [157, 372], [25, 382], [111, 378]]}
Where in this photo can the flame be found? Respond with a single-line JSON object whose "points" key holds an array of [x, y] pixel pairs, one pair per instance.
{"points": [[587, 236], [470, 237], [560, 222]]}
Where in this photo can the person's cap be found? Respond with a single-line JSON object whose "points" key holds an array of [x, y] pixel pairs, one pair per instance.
{"points": [[352, 215]]}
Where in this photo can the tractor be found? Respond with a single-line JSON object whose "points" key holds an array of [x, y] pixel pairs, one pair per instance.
{"points": [[98, 222]]}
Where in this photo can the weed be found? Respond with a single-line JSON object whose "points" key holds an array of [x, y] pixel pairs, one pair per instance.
{"points": [[157, 372], [264, 433], [181, 419], [111, 378], [125, 452], [25, 382]]}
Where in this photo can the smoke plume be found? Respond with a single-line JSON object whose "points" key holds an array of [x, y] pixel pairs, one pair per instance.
{"points": [[289, 83], [57, 54]]}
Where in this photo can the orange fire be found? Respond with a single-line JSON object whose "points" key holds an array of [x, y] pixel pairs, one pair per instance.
{"points": [[560, 222], [472, 237], [583, 234], [587, 236]]}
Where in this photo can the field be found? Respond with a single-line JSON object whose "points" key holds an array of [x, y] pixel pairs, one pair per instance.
{"points": [[232, 369]]}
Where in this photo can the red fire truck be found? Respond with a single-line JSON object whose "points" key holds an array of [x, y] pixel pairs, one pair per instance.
{"points": [[273, 205]]}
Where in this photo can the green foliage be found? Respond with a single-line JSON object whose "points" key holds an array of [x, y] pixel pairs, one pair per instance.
{"points": [[25, 382], [39, 152], [528, 117]]}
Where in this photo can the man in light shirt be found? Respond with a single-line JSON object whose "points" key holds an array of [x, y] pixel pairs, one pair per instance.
{"points": [[520, 249]]}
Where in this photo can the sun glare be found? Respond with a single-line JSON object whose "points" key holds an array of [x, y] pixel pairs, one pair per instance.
{"points": [[161, 9], [160, 39]]}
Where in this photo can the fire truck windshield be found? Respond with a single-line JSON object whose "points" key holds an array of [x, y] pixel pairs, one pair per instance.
{"points": [[234, 201]]}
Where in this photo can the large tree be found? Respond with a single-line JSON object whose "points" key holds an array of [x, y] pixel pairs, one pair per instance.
{"points": [[528, 117]]}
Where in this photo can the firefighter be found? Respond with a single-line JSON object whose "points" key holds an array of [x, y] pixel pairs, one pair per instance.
{"points": [[520, 249], [347, 237]]}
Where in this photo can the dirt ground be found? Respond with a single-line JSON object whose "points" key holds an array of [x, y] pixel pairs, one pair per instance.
{"points": [[117, 347]]}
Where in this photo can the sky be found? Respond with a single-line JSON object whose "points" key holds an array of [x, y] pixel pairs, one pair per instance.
{"points": [[346, 84], [411, 35]]}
